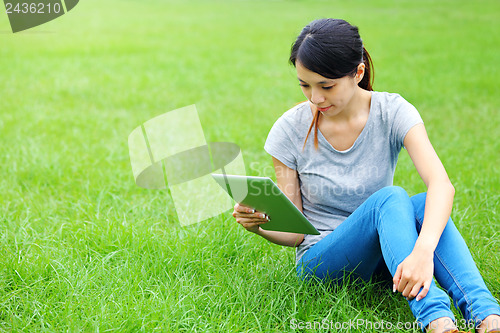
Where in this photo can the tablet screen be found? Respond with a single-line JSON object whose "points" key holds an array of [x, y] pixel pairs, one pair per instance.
{"points": [[262, 194]]}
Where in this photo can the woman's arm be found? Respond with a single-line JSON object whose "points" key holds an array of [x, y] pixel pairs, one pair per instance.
{"points": [[288, 181], [416, 270], [440, 191]]}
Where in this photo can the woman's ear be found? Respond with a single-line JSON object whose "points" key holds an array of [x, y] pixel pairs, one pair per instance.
{"points": [[360, 73]]}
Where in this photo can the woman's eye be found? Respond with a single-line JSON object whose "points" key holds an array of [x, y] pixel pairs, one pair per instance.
{"points": [[303, 85], [327, 88]]}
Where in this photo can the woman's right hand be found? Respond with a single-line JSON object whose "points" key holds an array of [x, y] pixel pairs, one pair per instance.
{"points": [[249, 218]]}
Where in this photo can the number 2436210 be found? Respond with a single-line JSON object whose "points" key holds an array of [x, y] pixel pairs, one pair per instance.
{"points": [[33, 8]]}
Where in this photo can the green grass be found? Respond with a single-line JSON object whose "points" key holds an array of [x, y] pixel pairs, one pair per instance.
{"points": [[84, 249]]}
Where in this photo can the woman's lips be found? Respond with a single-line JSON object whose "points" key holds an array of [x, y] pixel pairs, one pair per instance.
{"points": [[324, 109]]}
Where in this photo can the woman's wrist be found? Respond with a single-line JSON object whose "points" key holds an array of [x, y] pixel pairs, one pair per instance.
{"points": [[280, 237], [425, 246], [258, 231]]}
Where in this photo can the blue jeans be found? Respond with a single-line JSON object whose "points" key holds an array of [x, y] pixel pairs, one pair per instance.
{"points": [[384, 229]]}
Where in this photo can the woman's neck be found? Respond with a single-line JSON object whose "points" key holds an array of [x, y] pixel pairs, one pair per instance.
{"points": [[359, 106]]}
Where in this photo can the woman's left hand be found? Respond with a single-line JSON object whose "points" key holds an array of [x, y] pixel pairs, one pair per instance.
{"points": [[413, 274]]}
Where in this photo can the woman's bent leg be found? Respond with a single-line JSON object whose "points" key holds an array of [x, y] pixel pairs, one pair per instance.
{"points": [[456, 271], [383, 226]]}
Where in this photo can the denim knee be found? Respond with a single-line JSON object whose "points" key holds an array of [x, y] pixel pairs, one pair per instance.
{"points": [[393, 194], [394, 198]]}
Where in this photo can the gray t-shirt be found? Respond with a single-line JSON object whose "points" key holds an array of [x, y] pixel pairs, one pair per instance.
{"points": [[334, 183]]}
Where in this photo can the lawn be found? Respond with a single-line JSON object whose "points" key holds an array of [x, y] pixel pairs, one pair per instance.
{"points": [[84, 249]]}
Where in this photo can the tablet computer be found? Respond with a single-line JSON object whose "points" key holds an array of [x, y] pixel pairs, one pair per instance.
{"points": [[262, 194]]}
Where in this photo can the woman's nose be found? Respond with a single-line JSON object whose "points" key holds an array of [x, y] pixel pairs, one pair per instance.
{"points": [[317, 97]]}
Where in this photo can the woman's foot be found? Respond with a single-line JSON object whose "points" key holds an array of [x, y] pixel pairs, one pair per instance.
{"points": [[441, 325], [490, 324]]}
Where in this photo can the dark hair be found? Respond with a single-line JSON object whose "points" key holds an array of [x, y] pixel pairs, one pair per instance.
{"points": [[333, 49]]}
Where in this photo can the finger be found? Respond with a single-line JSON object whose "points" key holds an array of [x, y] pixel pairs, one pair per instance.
{"points": [[243, 209], [250, 221], [414, 291], [250, 213], [404, 283], [396, 279], [259, 216], [424, 291], [241, 220], [252, 224], [247, 215], [254, 216], [407, 290]]}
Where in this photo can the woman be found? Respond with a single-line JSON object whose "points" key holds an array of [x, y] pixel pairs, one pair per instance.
{"points": [[335, 156]]}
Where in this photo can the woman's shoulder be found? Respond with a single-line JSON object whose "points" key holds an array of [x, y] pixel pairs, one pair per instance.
{"points": [[297, 117], [300, 110], [389, 100], [396, 113], [288, 133]]}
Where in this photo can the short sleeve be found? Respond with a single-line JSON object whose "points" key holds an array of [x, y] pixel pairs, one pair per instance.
{"points": [[280, 145], [405, 117]]}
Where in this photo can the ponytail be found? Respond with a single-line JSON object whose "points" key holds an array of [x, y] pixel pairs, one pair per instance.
{"points": [[367, 81]]}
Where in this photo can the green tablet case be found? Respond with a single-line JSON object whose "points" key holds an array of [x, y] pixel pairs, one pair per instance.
{"points": [[262, 194]]}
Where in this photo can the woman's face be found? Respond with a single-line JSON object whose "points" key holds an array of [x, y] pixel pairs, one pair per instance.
{"points": [[330, 96]]}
